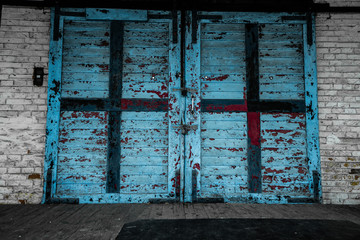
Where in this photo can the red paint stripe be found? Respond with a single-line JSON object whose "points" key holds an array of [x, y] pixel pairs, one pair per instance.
{"points": [[254, 128]]}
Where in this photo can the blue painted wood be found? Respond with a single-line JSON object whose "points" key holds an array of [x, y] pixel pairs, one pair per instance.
{"points": [[284, 155], [53, 112], [85, 72], [115, 92], [312, 122], [116, 14], [81, 157]]}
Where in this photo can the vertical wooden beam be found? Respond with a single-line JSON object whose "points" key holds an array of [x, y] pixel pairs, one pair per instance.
{"points": [[253, 118], [115, 92], [53, 111], [252, 61], [312, 121]]}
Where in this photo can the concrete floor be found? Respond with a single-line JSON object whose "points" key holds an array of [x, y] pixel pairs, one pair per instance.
{"points": [[105, 221]]}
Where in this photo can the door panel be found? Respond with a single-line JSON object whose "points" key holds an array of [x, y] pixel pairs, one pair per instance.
{"points": [[251, 112], [117, 112]]}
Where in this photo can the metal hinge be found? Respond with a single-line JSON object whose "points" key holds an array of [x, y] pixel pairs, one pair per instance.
{"points": [[185, 128]]}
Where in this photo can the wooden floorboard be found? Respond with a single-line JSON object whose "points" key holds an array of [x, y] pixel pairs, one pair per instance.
{"points": [[105, 221]]}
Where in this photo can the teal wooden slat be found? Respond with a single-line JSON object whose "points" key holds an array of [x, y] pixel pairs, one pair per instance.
{"points": [[224, 87], [222, 95], [116, 14], [79, 170], [223, 142], [143, 170], [143, 179], [146, 68], [145, 77], [223, 124], [144, 152], [76, 190], [223, 133], [223, 151], [225, 170], [53, 116], [83, 44], [144, 161], [144, 188], [147, 27], [85, 85], [79, 179], [86, 159], [144, 124], [155, 133], [224, 116], [312, 122], [256, 17], [222, 161]]}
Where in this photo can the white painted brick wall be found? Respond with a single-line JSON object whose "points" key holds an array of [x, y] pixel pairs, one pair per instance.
{"points": [[24, 44], [338, 58]]}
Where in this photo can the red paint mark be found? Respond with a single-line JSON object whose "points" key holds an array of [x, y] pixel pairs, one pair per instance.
{"points": [[301, 125], [275, 132], [64, 140], [220, 78], [269, 170], [254, 128], [103, 43], [128, 60], [271, 149], [296, 134], [219, 177], [101, 142], [234, 149], [107, 34], [301, 170], [190, 152], [286, 180], [211, 139], [276, 187], [76, 92], [160, 95], [196, 166], [142, 66]]}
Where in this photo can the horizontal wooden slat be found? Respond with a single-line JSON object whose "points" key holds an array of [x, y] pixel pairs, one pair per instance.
{"points": [[144, 161], [222, 151], [223, 161], [224, 133], [143, 170], [144, 152]]}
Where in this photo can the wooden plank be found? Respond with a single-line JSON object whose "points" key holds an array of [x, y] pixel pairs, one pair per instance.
{"points": [[53, 116], [223, 133], [116, 14], [312, 123], [219, 151]]}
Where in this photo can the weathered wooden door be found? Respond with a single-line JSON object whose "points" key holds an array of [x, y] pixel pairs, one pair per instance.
{"points": [[112, 105], [149, 106], [254, 105]]}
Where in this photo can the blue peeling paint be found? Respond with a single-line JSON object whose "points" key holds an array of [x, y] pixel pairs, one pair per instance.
{"points": [[156, 160]]}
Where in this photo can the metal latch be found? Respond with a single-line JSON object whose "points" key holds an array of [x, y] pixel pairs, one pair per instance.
{"points": [[184, 91], [185, 128]]}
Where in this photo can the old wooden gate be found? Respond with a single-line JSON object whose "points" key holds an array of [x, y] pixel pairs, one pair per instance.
{"points": [[150, 106]]}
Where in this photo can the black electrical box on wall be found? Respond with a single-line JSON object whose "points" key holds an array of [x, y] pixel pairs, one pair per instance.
{"points": [[38, 76]]}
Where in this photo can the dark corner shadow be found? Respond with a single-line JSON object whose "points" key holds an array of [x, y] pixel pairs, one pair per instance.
{"points": [[244, 229]]}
